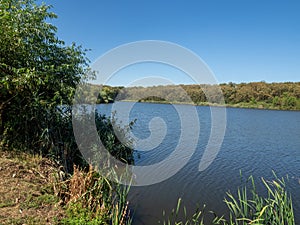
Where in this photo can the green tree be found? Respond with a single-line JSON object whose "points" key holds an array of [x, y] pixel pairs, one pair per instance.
{"points": [[38, 73], [108, 94]]}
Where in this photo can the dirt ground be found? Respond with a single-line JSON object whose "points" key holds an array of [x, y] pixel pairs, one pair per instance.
{"points": [[27, 191]]}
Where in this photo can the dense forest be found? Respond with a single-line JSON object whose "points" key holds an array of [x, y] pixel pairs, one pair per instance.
{"points": [[250, 95]]}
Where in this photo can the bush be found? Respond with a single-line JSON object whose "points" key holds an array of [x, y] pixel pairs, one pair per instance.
{"points": [[38, 73]]}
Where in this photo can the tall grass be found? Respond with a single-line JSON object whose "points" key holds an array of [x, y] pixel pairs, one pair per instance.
{"points": [[246, 207], [92, 199]]}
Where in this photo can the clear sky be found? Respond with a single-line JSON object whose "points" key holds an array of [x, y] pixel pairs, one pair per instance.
{"points": [[241, 41]]}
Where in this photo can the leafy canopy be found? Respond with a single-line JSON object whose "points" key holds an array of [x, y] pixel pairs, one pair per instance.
{"points": [[37, 72]]}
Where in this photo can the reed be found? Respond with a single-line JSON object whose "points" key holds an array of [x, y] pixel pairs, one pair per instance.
{"points": [[246, 207], [93, 199], [174, 218]]}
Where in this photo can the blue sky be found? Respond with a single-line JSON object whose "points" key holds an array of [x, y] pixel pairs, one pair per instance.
{"points": [[241, 41]]}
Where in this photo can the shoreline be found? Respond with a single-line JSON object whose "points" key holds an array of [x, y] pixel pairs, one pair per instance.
{"points": [[238, 105]]}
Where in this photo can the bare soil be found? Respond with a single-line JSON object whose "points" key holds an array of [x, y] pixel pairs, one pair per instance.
{"points": [[27, 193]]}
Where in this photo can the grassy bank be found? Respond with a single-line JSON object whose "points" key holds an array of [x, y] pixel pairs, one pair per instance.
{"points": [[35, 190]]}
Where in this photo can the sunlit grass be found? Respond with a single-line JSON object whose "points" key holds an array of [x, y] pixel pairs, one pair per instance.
{"points": [[248, 207], [93, 199]]}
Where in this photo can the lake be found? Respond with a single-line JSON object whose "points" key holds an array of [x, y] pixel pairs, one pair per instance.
{"points": [[255, 142]]}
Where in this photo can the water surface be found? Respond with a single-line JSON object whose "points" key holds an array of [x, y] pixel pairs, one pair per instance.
{"points": [[256, 142]]}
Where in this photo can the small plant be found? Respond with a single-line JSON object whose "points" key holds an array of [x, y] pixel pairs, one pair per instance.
{"points": [[78, 214], [174, 218]]}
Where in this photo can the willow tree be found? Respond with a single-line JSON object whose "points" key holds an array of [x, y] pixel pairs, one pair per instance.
{"points": [[38, 72]]}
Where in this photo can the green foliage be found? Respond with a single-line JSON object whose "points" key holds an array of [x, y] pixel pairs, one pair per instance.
{"points": [[108, 94], [78, 215], [37, 74], [249, 95], [152, 99], [38, 78], [120, 147]]}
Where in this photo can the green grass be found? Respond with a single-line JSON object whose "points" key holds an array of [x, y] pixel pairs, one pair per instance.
{"points": [[37, 201], [248, 207], [7, 203], [77, 214]]}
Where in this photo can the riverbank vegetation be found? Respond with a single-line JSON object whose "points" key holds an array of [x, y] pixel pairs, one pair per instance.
{"points": [[285, 95], [245, 207], [36, 190]]}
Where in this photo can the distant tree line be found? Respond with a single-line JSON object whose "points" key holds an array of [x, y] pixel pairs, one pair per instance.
{"points": [[284, 95]]}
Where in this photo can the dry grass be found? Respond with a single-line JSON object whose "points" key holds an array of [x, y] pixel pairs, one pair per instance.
{"points": [[32, 191], [26, 190], [103, 201], [86, 188]]}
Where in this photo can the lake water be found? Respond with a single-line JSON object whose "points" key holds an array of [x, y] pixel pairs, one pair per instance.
{"points": [[256, 142]]}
